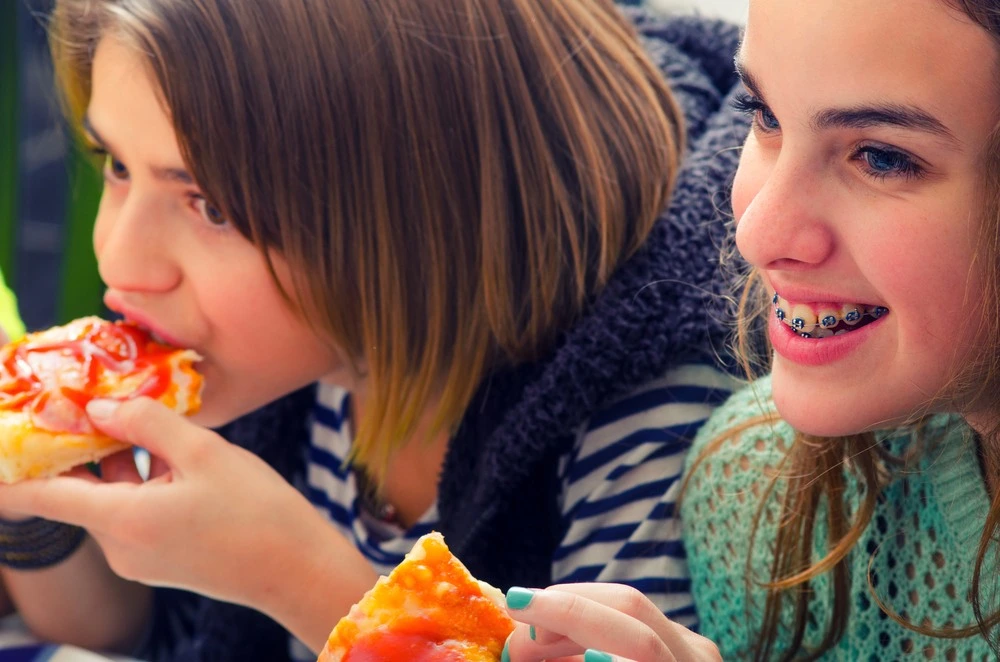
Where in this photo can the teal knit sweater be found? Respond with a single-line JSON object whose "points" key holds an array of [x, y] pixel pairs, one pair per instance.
{"points": [[924, 533]]}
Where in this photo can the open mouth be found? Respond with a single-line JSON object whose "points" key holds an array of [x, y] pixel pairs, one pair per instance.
{"points": [[825, 320]]}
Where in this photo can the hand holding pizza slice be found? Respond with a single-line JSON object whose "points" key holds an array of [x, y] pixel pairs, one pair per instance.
{"points": [[47, 379], [429, 609]]}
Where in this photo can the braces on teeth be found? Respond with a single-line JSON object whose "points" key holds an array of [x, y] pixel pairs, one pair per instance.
{"points": [[827, 324]]}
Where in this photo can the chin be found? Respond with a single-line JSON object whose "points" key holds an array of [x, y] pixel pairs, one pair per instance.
{"points": [[214, 417], [217, 409], [822, 412]]}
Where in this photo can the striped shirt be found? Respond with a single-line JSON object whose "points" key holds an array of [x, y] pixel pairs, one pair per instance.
{"points": [[619, 485]]}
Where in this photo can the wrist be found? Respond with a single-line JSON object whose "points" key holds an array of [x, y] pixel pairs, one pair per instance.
{"points": [[328, 574], [7, 516], [36, 543]]}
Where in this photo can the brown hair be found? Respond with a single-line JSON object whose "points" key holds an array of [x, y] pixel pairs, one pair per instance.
{"points": [[451, 180], [815, 469]]}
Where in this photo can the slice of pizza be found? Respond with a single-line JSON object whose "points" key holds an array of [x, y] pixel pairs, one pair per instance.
{"points": [[429, 609], [47, 379]]}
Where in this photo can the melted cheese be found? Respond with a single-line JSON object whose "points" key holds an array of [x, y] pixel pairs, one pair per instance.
{"points": [[429, 609]]}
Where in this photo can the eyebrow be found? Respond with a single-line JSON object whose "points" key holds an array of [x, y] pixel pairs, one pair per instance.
{"points": [[179, 175], [746, 77], [863, 117]]}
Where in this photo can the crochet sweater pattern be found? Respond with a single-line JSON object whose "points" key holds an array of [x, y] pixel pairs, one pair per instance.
{"points": [[921, 542]]}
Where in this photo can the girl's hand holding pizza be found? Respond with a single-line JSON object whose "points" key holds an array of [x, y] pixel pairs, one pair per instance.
{"points": [[597, 622], [213, 517]]}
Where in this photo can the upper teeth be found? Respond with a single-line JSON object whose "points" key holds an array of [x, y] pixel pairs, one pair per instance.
{"points": [[816, 323]]}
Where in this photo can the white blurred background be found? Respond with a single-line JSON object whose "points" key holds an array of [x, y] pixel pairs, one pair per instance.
{"points": [[733, 10]]}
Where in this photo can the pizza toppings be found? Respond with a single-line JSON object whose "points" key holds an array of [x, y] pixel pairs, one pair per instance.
{"points": [[429, 609], [52, 375]]}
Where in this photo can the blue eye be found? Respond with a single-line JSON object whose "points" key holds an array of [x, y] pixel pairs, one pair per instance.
{"points": [[882, 162], [767, 120], [763, 118]]}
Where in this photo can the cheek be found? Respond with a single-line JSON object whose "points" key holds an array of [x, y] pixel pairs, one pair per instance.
{"points": [[258, 321]]}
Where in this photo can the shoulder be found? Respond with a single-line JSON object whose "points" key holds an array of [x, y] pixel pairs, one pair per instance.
{"points": [[695, 55], [738, 452], [656, 420], [747, 417], [688, 384], [710, 43]]}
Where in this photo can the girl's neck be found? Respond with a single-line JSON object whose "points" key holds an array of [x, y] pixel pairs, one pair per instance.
{"points": [[410, 484]]}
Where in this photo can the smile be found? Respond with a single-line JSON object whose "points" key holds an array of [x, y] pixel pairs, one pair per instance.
{"points": [[825, 321]]}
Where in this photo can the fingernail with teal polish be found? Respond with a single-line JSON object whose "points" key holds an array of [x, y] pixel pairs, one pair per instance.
{"points": [[519, 598], [505, 655], [596, 656], [531, 632]]}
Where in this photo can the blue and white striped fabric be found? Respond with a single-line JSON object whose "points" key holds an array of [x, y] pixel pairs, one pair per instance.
{"points": [[620, 482]]}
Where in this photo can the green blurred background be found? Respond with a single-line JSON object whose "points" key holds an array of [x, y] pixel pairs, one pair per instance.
{"points": [[48, 189]]}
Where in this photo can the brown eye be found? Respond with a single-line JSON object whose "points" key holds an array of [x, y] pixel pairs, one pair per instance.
{"points": [[115, 169], [211, 214]]}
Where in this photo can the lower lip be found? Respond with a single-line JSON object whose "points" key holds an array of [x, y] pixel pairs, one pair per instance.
{"points": [[816, 352], [159, 336]]}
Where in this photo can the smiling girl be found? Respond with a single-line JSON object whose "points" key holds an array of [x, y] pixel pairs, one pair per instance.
{"points": [[425, 243], [841, 508]]}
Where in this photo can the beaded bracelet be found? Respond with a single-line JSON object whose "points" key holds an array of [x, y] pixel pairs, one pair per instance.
{"points": [[37, 543]]}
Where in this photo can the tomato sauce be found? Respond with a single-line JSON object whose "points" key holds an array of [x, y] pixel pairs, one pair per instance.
{"points": [[387, 646], [69, 370]]}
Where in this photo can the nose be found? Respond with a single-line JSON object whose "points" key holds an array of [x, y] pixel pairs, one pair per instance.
{"points": [[133, 255], [781, 221]]}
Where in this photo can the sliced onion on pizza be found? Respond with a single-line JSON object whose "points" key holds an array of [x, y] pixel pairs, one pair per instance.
{"points": [[429, 609], [47, 379]]}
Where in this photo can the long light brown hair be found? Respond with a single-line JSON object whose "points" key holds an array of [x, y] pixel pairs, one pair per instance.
{"points": [[815, 470], [452, 181]]}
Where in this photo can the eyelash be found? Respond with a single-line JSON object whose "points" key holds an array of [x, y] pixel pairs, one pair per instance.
{"points": [[751, 105], [107, 167], [201, 204], [905, 167]]}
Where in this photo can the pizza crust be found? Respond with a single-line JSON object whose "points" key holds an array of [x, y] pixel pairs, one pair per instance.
{"points": [[29, 452]]}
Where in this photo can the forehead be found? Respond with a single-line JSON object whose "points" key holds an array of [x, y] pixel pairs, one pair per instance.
{"points": [[120, 74], [848, 52], [125, 104]]}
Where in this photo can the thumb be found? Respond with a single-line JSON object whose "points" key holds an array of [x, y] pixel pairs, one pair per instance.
{"points": [[147, 423]]}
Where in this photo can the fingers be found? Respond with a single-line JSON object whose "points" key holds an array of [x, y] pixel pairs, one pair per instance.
{"points": [[80, 501], [602, 617], [545, 654], [629, 601], [147, 423], [588, 656]]}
